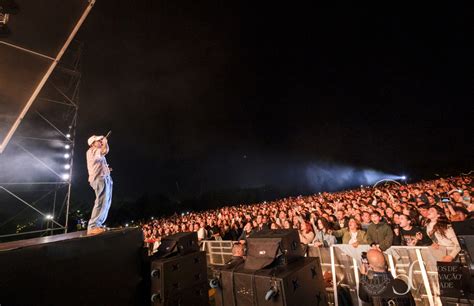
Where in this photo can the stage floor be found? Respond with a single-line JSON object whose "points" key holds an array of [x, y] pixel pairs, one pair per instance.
{"points": [[6, 246]]}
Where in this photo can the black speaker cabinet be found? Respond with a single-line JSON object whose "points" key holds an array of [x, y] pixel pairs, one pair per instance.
{"points": [[272, 248], [178, 244], [298, 283], [180, 280]]}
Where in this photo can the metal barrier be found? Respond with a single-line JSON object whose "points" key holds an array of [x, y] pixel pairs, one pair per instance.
{"points": [[416, 266], [218, 252]]}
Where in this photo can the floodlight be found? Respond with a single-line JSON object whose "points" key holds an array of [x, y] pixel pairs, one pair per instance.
{"points": [[67, 166], [48, 217], [67, 147], [68, 135], [65, 176], [67, 155]]}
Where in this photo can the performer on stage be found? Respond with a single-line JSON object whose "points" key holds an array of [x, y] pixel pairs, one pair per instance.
{"points": [[100, 181]]}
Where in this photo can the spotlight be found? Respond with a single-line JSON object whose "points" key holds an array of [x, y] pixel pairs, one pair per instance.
{"points": [[67, 147], [403, 177], [126, 224], [65, 176], [68, 135], [67, 166], [67, 155], [48, 217]]}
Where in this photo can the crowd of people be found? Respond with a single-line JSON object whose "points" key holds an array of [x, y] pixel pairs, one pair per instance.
{"points": [[420, 214]]}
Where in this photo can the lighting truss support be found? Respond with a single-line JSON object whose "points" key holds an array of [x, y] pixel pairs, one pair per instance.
{"points": [[69, 98], [54, 63]]}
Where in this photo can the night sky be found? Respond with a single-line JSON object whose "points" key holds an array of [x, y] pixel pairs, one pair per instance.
{"points": [[209, 95]]}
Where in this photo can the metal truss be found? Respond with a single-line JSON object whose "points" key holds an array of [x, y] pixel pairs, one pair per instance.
{"points": [[60, 118]]}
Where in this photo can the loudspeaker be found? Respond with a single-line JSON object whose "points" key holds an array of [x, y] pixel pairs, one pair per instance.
{"points": [[180, 280], [178, 244], [75, 269], [465, 233], [298, 283], [272, 248]]}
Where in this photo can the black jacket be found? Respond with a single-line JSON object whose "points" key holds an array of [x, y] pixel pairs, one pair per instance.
{"points": [[381, 289]]}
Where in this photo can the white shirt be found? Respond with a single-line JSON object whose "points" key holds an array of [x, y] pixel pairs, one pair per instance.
{"points": [[450, 240], [96, 164], [353, 238], [202, 233]]}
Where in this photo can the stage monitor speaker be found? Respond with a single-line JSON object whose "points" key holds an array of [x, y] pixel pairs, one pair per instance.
{"points": [[273, 247], [178, 244], [180, 280], [298, 283], [75, 269]]}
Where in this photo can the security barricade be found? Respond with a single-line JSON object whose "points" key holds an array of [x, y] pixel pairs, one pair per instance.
{"points": [[416, 266]]}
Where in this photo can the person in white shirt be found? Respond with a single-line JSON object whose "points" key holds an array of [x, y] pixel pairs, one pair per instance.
{"points": [[100, 181], [202, 232], [442, 233]]}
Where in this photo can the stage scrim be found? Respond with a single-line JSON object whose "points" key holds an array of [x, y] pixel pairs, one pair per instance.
{"points": [[40, 33]]}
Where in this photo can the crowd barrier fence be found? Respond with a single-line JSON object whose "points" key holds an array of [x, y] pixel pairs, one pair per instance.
{"points": [[416, 266]]}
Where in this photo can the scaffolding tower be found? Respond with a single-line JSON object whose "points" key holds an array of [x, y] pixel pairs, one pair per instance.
{"points": [[37, 167]]}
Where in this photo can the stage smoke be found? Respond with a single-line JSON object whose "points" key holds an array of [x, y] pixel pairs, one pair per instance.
{"points": [[331, 177]]}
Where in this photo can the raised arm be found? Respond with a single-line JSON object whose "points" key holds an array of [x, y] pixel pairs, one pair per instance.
{"points": [[105, 147]]}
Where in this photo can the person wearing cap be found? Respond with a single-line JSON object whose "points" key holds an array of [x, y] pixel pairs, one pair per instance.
{"points": [[100, 181]]}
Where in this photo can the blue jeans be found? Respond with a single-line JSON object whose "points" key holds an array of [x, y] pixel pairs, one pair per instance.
{"points": [[103, 198]]}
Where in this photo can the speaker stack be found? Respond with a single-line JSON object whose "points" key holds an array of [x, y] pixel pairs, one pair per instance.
{"points": [[463, 293], [179, 272], [274, 273]]}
